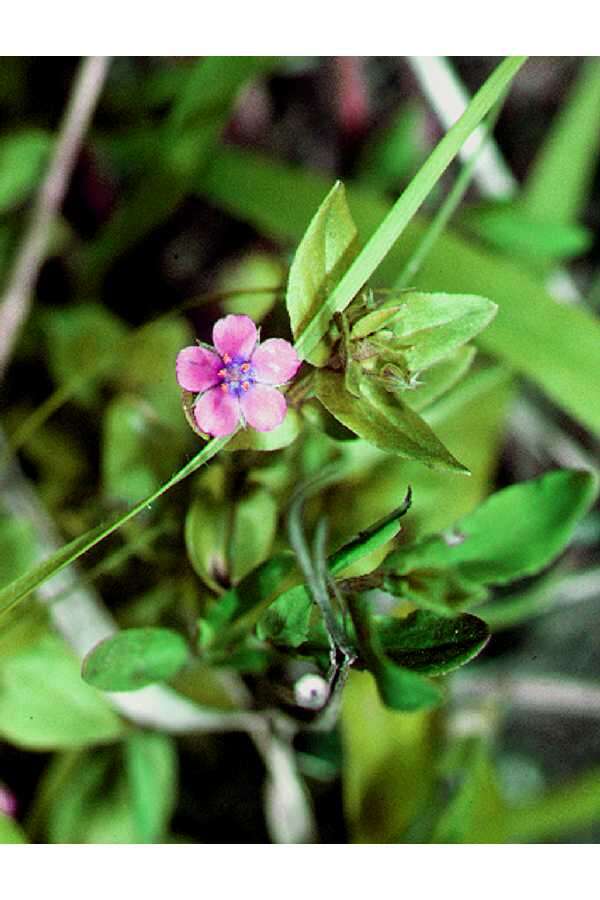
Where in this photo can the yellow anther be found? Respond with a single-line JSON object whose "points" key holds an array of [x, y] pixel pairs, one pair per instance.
{"points": [[226, 358], [245, 367], [224, 388], [245, 385], [222, 373]]}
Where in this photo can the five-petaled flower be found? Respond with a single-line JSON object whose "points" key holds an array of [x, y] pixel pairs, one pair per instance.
{"points": [[238, 383]]}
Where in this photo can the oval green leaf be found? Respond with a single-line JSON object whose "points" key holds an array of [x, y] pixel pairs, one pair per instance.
{"points": [[135, 658], [515, 533], [430, 644]]}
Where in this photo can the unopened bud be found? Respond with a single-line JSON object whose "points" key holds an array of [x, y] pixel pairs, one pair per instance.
{"points": [[311, 691]]}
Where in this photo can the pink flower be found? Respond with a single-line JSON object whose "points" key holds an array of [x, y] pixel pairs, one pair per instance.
{"points": [[238, 383], [8, 802]]}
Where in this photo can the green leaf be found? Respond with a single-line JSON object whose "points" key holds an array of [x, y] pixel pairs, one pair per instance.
{"points": [[474, 812], [516, 532], [554, 344], [282, 436], [134, 658], [18, 547], [146, 366], [388, 232], [439, 379], [21, 587], [399, 688], [368, 541], [388, 763], [521, 606], [256, 589], [404, 690], [559, 181], [225, 541], [508, 227], [383, 420], [207, 525], [256, 279], [151, 762], [253, 532], [322, 257], [10, 831], [23, 157], [432, 326], [287, 621], [83, 346], [394, 152], [89, 800], [44, 704], [442, 591], [127, 450], [430, 644]]}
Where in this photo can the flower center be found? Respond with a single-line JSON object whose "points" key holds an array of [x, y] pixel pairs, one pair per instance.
{"points": [[237, 376]]}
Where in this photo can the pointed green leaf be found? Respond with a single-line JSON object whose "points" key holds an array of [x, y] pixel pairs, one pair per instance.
{"points": [[44, 704], [431, 326], [515, 533], [384, 420], [324, 254], [430, 644], [367, 541], [441, 591], [134, 658]]}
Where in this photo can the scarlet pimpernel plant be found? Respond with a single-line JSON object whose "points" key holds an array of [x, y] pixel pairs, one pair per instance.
{"points": [[335, 554]]}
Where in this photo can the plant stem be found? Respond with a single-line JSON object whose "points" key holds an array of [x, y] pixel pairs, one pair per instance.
{"points": [[21, 283]]}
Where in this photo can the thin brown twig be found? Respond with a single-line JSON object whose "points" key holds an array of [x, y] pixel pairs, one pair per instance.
{"points": [[16, 303]]}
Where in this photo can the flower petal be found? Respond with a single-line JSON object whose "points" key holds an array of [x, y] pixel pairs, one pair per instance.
{"points": [[235, 336], [197, 369], [217, 412], [275, 361], [263, 407]]}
